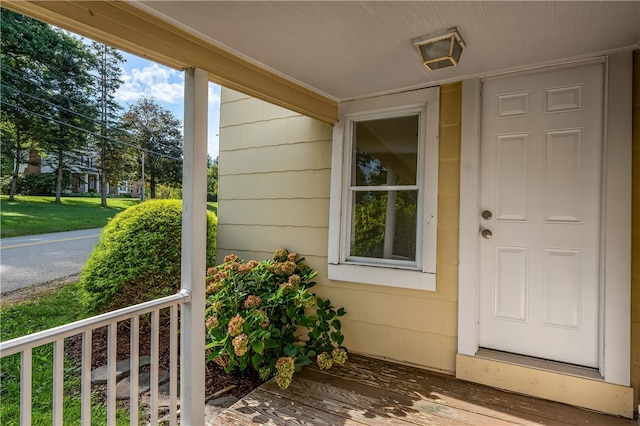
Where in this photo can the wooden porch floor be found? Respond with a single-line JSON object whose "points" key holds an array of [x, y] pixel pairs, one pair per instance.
{"points": [[367, 391]]}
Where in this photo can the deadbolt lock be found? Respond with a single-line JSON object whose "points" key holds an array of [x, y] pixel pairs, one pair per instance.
{"points": [[486, 215]]}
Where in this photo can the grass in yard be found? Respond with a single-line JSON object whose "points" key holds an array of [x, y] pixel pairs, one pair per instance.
{"points": [[53, 308], [32, 215]]}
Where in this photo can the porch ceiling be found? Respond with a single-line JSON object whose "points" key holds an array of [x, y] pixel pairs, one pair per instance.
{"points": [[353, 49]]}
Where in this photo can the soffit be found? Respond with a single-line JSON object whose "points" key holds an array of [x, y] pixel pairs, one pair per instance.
{"points": [[348, 50]]}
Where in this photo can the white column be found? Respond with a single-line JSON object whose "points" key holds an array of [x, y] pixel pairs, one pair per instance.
{"points": [[194, 232]]}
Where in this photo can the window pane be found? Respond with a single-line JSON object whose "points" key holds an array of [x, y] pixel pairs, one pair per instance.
{"points": [[385, 152], [383, 225]]}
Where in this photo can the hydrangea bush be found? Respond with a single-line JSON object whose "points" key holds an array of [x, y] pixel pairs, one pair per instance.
{"points": [[258, 313]]}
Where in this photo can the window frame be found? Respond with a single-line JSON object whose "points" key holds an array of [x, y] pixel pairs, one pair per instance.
{"points": [[343, 267]]}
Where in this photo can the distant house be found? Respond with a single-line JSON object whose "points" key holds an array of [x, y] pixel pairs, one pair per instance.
{"points": [[84, 175], [131, 188]]}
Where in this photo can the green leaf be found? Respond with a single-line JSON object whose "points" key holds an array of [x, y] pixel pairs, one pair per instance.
{"points": [[271, 344], [301, 362], [242, 362], [341, 312], [257, 346], [256, 359], [336, 324], [290, 350]]}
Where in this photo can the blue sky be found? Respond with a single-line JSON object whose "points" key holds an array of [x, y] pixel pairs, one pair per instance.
{"points": [[166, 85]]}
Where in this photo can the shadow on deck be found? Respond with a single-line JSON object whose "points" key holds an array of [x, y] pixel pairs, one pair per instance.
{"points": [[367, 391]]}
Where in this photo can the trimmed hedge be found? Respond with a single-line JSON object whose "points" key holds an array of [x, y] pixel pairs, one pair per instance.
{"points": [[138, 257]]}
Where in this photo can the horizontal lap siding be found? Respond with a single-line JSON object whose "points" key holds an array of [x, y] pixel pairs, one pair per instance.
{"points": [[274, 192], [274, 179]]}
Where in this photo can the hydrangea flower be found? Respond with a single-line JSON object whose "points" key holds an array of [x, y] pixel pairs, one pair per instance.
{"points": [[214, 287], [264, 318], [293, 257], [212, 322], [339, 356], [325, 361], [235, 326], [233, 266], [245, 268], [240, 344], [294, 280], [252, 302], [280, 255], [285, 368], [231, 258], [264, 373], [292, 284], [220, 276]]}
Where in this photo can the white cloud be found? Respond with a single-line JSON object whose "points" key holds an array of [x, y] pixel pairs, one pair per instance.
{"points": [[214, 94], [163, 84]]}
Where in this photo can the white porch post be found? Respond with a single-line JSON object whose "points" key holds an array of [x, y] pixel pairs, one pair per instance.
{"points": [[194, 221]]}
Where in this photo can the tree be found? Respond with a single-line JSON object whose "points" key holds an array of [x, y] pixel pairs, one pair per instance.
{"points": [[26, 45], [113, 161], [71, 103], [158, 132]]}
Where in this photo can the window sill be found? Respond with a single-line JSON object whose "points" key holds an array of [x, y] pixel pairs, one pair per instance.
{"points": [[378, 275]]}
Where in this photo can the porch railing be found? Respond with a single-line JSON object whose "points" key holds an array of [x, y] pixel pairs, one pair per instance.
{"points": [[25, 345]]}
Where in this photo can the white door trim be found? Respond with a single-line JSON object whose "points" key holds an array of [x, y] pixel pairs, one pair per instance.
{"points": [[616, 289]]}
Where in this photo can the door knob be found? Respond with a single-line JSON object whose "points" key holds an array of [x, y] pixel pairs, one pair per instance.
{"points": [[486, 215], [486, 234]]}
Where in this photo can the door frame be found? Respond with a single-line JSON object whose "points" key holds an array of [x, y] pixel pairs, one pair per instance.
{"points": [[615, 276]]}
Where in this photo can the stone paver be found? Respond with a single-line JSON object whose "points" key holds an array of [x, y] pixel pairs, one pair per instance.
{"points": [[163, 396], [99, 375], [124, 386]]}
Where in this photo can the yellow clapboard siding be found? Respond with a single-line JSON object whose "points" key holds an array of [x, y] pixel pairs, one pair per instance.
{"points": [[276, 185], [301, 212], [300, 156], [312, 241]]}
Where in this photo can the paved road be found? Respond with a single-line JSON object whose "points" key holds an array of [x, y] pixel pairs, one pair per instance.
{"points": [[38, 259]]}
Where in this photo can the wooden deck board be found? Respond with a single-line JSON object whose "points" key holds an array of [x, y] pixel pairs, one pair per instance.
{"points": [[367, 391]]}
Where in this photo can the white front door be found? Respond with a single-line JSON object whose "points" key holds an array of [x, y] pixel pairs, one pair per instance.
{"points": [[540, 197]]}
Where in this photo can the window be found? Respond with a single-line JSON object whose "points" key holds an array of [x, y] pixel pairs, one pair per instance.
{"points": [[384, 191]]}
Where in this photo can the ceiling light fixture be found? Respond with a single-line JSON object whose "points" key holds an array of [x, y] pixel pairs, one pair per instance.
{"points": [[441, 49]]}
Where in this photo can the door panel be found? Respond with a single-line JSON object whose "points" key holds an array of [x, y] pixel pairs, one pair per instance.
{"points": [[541, 155]]}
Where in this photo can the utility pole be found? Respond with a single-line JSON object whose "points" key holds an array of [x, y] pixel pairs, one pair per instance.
{"points": [[142, 192]]}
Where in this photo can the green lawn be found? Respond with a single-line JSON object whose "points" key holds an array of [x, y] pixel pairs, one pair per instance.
{"points": [[31, 215], [50, 309]]}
